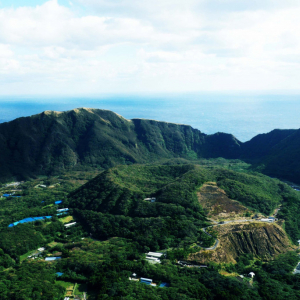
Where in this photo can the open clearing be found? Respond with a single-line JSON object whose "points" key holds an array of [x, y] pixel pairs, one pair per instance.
{"points": [[66, 219], [217, 205]]}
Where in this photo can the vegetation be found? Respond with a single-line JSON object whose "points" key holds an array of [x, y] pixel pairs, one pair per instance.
{"points": [[116, 227], [86, 139], [253, 189], [113, 205]]}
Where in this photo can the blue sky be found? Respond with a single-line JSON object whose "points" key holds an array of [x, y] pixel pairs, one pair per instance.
{"points": [[92, 47]]}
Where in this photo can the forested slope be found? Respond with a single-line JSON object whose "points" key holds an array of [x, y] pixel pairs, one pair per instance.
{"points": [[51, 142], [111, 207], [81, 139], [112, 204]]}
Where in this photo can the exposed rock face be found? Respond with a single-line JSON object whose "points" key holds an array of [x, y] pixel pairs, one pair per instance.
{"points": [[260, 239]]}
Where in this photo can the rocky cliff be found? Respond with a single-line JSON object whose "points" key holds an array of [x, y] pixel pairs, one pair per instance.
{"points": [[260, 239]]}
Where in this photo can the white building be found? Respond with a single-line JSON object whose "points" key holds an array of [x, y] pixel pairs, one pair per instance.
{"points": [[267, 220], [62, 209], [251, 274], [154, 257], [153, 199], [155, 254], [70, 224]]}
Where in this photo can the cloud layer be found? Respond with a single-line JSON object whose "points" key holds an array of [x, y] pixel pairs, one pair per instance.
{"points": [[96, 46]]}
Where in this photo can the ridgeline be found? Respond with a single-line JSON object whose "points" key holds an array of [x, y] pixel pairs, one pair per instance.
{"points": [[83, 139]]}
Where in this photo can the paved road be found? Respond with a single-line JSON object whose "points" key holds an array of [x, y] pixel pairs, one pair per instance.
{"points": [[216, 242]]}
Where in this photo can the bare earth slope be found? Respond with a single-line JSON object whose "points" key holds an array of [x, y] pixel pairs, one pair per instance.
{"points": [[261, 239], [217, 205]]}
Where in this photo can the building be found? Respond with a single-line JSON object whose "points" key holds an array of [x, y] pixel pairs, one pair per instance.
{"points": [[70, 224], [146, 280], [52, 258], [153, 199], [154, 257], [267, 220], [7, 195], [58, 202], [27, 220], [251, 274], [153, 260], [62, 209], [155, 254], [133, 277], [165, 284]]}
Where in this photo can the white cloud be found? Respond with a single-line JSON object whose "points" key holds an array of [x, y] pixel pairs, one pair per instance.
{"points": [[131, 45]]}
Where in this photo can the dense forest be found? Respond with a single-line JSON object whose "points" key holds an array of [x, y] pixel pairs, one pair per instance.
{"points": [[115, 227]]}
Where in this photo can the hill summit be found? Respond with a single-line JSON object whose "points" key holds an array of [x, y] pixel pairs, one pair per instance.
{"points": [[83, 138], [53, 141]]}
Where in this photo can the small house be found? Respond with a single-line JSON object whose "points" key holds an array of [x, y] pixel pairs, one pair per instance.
{"points": [[165, 284], [7, 195], [251, 274], [153, 199], [153, 260], [155, 254], [62, 209], [267, 220], [70, 224], [52, 258], [146, 280], [154, 257]]}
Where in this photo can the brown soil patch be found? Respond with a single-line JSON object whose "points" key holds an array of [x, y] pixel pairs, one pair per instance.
{"points": [[217, 205]]}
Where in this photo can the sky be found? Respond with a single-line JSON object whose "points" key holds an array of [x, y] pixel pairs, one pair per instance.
{"points": [[92, 47]]}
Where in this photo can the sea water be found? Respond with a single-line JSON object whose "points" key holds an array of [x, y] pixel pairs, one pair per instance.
{"points": [[244, 116]]}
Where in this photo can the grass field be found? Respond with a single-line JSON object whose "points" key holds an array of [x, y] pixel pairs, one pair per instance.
{"points": [[66, 219], [52, 244], [69, 286], [24, 256]]}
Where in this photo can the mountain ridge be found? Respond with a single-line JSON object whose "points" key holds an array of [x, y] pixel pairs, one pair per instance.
{"points": [[53, 141], [82, 138]]}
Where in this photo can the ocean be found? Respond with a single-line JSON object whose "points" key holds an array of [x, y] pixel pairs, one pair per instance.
{"points": [[244, 116]]}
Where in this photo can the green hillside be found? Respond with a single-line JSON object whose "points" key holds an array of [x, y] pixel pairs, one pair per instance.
{"points": [[275, 153], [81, 139], [84, 139], [115, 227], [112, 204]]}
